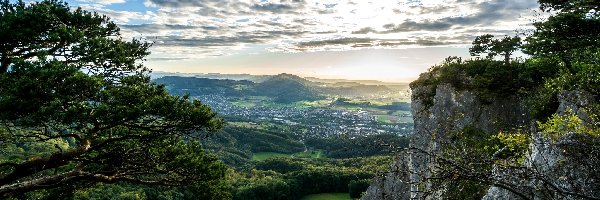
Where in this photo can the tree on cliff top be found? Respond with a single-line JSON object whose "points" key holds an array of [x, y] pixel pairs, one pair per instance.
{"points": [[493, 47], [69, 85]]}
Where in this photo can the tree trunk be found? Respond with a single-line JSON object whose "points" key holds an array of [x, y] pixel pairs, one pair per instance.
{"points": [[4, 63]]}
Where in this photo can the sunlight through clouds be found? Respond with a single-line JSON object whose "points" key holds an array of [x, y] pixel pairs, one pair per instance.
{"points": [[203, 35], [312, 25]]}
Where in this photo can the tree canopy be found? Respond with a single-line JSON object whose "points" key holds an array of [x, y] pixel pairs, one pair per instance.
{"points": [[70, 84], [493, 47], [571, 35]]}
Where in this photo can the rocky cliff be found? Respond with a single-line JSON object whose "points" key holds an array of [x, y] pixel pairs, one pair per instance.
{"points": [[558, 173], [439, 110]]}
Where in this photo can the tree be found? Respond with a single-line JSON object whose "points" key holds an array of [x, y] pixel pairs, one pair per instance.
{"points": [[493, 47], [571, 35], [68, 78], [569, 6]]}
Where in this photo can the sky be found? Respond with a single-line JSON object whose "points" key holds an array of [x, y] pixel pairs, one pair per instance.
{"points": [[387, 40]]}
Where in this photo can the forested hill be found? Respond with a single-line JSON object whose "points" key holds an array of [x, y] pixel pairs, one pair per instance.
{"points": [[198, 86], [287, 88], [283, 88]]}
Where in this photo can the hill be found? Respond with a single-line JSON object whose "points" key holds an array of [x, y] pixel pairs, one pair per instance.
{"points": [[283, 88], [287, 88], [201, 86]]}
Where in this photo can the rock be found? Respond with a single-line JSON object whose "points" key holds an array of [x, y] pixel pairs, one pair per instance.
{"points": [[392, 185], [437, 111], [552, 168], [548, 172]]}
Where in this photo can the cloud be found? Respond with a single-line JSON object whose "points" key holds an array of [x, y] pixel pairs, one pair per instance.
{"points": [[273, 7], [103, 2], [213, 27], [489, 13], [353, 43]]}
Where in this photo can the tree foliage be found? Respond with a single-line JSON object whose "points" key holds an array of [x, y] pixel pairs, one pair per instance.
{"points": [[571, 35], [494, 47], [67, 76]]}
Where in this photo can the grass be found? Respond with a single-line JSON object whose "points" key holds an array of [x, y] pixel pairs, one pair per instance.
{"points": [[348, 108], [318, 103], [383, 119], [328, 196], [406, 120], [310, 154], [260, 156], [401, 112], [245, 125]]}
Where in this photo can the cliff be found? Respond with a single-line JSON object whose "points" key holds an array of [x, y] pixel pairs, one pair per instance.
{"points": [[560, 171], [441, 109], [435, 116]]}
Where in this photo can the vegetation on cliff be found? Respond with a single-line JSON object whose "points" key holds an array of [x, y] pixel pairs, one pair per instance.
{"points": [[563, 64]]}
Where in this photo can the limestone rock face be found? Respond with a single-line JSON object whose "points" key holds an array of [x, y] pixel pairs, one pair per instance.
{"points": [[392, 185], [437, 111], [554, 169]]}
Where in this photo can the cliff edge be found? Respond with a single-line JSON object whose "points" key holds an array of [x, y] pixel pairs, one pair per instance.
{"points": [[441, 111]]}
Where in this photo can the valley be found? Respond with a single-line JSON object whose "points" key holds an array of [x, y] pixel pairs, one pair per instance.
{"points": [[285, 131]]}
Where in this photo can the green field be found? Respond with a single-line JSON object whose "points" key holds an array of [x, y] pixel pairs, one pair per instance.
{"points": [[406, 120], [246, 125], [328, 196], [383, 119], [260, 156], [251, 101], [310, 154], [318, 104], [400, 112]]}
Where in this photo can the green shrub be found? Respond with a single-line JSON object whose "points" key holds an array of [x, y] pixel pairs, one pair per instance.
{"points": [[357, 187]]}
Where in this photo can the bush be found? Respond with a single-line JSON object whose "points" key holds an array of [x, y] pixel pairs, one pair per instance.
{"points": [[357, 187]]}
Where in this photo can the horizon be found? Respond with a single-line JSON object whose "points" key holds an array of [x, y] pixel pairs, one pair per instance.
{"points": [[390, 41], [159, 74]]}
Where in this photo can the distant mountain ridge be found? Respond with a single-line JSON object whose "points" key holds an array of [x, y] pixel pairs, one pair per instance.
{"points": [[260, 78], [282, 88]]}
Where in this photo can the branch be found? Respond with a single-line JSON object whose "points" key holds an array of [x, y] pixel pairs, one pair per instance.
{"points": [[42, 137], [78, 175], [14, 165], [31, 167], [468, 174]]}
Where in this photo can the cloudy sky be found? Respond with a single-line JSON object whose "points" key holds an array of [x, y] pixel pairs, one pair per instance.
{"points": [[390, 40]]}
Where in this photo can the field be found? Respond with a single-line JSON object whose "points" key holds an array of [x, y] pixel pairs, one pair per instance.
{"points": [[310, 154], [314, 104], [405, 120], [384, 119], [252, 101], [328, 196], [260, 156]]}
